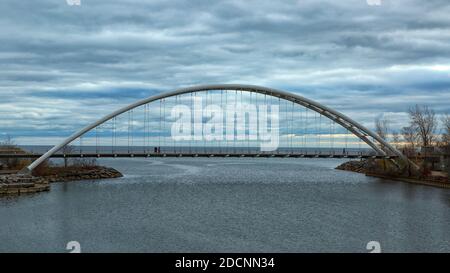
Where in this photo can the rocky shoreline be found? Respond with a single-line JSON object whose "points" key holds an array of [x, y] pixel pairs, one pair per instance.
{"points": [[83, 173], [371, 168], [354, 166], [17, 184]]}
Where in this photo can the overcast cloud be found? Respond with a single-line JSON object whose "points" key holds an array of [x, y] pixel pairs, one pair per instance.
{"points": [[62, 66]]}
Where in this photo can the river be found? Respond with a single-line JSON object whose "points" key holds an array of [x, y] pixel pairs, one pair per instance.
{"points": [[228, 205]]}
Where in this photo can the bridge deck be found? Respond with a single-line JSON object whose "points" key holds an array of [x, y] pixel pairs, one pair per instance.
{"points": [[131, 155]]}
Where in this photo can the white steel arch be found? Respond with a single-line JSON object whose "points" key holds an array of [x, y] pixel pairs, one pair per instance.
{"points": [[383, 148]]}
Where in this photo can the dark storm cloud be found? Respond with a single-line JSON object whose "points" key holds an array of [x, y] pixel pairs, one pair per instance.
{"points": [[56, 59]]}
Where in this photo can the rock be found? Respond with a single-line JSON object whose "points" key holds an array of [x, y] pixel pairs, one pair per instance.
{"points": [[17, 184], [353, 166], [90, 173]]}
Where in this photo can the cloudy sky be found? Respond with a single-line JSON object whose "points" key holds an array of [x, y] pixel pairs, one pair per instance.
{"points": [[63, 66]]}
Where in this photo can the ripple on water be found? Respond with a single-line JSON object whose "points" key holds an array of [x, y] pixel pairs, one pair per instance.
{"points": [[229, 205]]}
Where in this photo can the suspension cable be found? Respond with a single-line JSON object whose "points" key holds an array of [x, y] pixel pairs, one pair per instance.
{"points": [[235, 132], [173, 139], [96, 139], [164, 125], [128, 132], [227, 124], [346, 141], [249, 126], [333, 131], [222, 132], [113, 136], [245, 133], [191, 119], [145, 129], [320, 133], [292, 127], [306, 124]]}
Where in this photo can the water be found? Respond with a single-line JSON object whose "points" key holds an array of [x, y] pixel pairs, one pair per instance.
{"points": [[229, 205]]}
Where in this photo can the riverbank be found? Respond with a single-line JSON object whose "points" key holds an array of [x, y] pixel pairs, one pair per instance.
{"points": [[16, 184], [366, 167]]}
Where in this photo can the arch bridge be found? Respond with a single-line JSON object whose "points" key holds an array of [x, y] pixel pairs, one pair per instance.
{"points": [[298, 142]]}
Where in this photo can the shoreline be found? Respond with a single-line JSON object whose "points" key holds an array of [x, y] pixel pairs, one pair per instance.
{"points": [[366, 168], [72, 173], [16, 184], [412, 180]]}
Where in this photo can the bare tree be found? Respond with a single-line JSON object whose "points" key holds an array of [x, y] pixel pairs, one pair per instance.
{"points": [[395, 139], [8, 142], [382, 127], [424, 123], [446, 133], [8, 146], [410, 136]]}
